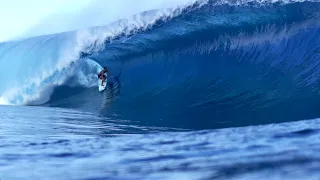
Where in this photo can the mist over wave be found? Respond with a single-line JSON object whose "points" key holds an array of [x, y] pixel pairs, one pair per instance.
{"points": [[208, 64]]}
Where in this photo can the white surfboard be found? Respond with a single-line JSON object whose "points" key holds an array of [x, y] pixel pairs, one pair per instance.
{"points": [[101, 88]]}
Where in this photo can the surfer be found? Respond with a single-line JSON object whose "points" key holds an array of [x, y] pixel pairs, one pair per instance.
{"points": [[102, 75]]}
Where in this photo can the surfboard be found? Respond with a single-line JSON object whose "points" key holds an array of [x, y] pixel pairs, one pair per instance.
{"points": [[101, 88]]}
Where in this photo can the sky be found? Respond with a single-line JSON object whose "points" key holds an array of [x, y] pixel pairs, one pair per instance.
{"points": [[16, 16], [27, 18]]}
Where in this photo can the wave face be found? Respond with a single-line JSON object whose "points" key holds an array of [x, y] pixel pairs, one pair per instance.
{"points": [[212, 64]]}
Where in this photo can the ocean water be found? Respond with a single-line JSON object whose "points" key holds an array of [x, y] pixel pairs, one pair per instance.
{"points": [[205, 90], [55, 143]]}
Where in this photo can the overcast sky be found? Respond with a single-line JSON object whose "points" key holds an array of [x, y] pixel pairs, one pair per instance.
{"points": [[16, 16], [25, 18]]}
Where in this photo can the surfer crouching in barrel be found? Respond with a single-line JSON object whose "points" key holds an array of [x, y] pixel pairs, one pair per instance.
{"points": [[102, 75]]}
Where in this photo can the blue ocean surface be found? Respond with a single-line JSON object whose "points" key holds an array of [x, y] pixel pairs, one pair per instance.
{"points": [[55, 143], [209, 90]]}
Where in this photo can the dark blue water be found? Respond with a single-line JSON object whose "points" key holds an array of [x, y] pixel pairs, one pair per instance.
{"points": [[55, 143], [215, 90]]}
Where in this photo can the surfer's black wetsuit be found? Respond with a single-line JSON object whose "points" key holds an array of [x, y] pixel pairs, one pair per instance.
{"points": [[102, 75]]}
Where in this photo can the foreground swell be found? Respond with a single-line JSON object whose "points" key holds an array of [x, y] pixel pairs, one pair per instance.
{"points": [[69, 144]]}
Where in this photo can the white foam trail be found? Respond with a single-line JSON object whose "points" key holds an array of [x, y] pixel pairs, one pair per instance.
{"points": [[4, 101]]}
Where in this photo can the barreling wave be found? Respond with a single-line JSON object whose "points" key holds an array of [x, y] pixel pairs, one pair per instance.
{"points": [[210, 64]]}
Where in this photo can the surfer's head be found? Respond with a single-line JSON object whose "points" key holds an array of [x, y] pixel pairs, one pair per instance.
{"points": [[105, 69]]}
